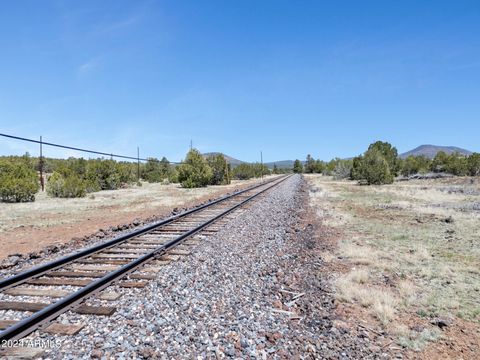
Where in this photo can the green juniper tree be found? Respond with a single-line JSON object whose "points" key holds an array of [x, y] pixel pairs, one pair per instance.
{"points": [[220, 169], [297, 167], [389, 153], [474, 164], [194, 171], [18, 181], [376, 168], [309, 165]]}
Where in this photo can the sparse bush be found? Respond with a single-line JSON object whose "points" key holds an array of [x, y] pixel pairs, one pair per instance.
{"points": [[342, 170], [194, 172], [66, 184], [18, 182]]}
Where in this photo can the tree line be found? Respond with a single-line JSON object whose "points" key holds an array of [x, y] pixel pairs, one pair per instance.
{"points": [[380, 164], [76, 177]]}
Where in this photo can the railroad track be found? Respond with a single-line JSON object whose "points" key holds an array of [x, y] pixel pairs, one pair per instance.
{"points": [[128, 261]]}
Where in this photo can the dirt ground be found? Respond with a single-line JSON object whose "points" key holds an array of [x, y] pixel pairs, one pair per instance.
{"points": [[405, 261], [28, 227]]}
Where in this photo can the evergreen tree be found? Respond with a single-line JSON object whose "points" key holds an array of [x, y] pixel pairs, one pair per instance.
{"points": [[358, 169], [376, 169], [309, 165], [439, 162], [18, 181], [195, 171], [275, 169], [297, 167], [219, 166], [474, 164], [389, 153], [151, 171]]}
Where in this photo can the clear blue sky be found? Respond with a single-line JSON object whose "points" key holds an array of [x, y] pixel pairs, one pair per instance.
{"points": [[239, 76]]}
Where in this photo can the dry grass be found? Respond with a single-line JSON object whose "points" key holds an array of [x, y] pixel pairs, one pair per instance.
{"points": [[384, 306], [47, 211], [27, 227], [400, 232], [354, 288]]}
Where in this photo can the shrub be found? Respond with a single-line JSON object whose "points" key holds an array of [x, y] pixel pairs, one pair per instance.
{"points": [[456, 164], [275, 169], [18, 182], [358, 170], [243, 172], [246, 171], [414, 165], [220, 170], [152, 172], [329, 168], [103, 174], [319, 166], [342, 170], [439, 162], [376, 169], [194, 172], [66, 184], [173, 175], [127, 172]]}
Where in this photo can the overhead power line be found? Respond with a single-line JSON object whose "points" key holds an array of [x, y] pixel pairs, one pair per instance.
{"points": [[79, 149]]}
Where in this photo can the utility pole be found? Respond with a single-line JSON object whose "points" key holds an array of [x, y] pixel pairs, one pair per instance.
{"points": [[191, 145], [40, 163], [138, 164], [261, 163]]}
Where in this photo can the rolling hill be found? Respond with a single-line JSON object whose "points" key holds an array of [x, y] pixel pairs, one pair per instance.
{"points": [[426, 150], [231, 160], [431, 150], [235, 162], [282, 164]]}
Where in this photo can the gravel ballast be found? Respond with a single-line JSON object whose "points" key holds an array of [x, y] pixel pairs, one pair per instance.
{"points": [[249, 291]]}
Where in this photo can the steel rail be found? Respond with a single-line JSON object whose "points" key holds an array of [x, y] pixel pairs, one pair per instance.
{"points": [[30, 324], [43, 268]]}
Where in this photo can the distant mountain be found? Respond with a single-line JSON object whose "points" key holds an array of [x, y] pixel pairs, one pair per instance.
{"points": [[232, 161], [431, 150], [282, 164]]}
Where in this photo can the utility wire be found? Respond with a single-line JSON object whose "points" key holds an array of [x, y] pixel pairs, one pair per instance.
{"points": [[78, 149]]}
